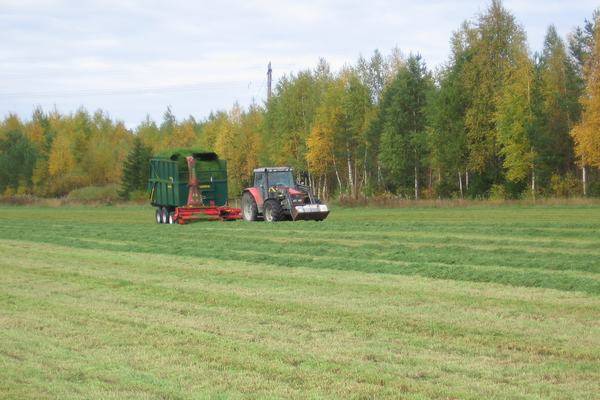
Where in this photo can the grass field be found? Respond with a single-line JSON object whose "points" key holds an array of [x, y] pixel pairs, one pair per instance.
{"points": [[480, 302]]}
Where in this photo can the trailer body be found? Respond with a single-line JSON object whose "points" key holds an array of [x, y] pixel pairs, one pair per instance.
{"points": [[171, 182], [169, 179]]}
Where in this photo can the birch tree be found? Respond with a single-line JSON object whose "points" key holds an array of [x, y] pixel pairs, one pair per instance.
{"points": [[586, 134]]}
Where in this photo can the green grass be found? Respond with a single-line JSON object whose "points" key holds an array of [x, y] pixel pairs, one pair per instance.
{"points": [[480, 302]]}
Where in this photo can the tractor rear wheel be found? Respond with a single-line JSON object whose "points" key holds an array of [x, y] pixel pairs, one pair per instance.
{"points": [[249, 208], [273, 211], [164, 216]]}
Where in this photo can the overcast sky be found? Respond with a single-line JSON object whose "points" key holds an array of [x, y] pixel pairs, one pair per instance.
{"points": [[133, 57]]}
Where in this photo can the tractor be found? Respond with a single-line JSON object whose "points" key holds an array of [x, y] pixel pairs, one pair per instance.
{"points": [[276, 196]]}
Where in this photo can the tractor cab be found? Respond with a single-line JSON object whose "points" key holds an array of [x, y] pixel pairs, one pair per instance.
{"points": [[273, 178], [276, 196]]}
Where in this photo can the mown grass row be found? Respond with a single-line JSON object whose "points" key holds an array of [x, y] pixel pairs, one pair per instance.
{"points": [[97, 322], [491, 245]]}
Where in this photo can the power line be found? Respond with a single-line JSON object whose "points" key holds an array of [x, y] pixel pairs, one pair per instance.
{"points": [[130, 91], [257, 93]]}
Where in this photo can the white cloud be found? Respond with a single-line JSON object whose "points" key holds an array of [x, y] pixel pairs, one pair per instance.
{"points": [[208, 55]]}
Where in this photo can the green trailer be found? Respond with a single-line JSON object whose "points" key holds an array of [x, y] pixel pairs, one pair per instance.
{"points": [[186, 184]]}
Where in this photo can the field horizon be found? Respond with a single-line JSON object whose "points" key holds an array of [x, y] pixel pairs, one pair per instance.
{"points": [[377, 202], [421, 302]]}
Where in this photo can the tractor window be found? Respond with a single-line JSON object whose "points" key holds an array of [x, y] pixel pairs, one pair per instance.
{"points": [[281, 178], [259, 179]]}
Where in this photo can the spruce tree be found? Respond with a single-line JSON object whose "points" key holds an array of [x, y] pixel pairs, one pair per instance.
{"points": [[446, 118], [17, 161], [558, 108], [403, 151], [136, 169]]}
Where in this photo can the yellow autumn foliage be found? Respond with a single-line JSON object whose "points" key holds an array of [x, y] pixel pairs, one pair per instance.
{"points": [[586, 134]]}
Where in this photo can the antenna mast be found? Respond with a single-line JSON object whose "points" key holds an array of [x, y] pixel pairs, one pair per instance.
{"points": [[269, 80]]}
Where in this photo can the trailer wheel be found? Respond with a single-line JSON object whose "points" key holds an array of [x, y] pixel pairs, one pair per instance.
{"points": [[158, 216], [249, 208], [171, 218], [164, 215], [273, 211]]}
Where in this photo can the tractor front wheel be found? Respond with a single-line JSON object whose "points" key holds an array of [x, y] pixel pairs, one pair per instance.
{"points": [[273, 211], [249, 208]]}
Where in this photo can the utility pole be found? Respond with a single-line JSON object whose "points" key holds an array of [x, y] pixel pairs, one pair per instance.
{"points": [[269, 80]]}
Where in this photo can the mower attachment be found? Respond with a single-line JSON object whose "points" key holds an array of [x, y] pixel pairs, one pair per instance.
{"points": [[310, 212]]}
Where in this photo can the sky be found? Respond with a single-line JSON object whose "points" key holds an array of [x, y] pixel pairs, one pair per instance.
{"points": [[133, 58]]}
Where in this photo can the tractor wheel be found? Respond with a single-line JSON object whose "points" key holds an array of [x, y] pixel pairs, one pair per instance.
{"points": [[158, 216], [273, 211], [249, 209], [164, 215]]}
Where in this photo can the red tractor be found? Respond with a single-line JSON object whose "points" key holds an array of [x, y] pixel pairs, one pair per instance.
{"points": [[276, 196]]}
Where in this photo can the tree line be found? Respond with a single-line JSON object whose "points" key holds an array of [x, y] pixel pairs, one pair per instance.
{"points": [[494, 121]]}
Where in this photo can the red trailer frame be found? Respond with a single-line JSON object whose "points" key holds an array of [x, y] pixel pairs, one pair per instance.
{"points": [[187, 214]]}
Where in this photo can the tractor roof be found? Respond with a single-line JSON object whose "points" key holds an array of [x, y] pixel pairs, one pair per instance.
{"points": [[273, 169]]}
